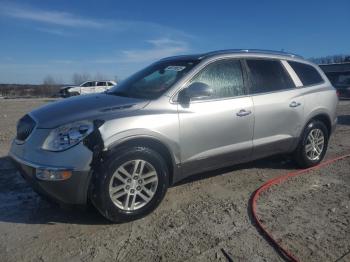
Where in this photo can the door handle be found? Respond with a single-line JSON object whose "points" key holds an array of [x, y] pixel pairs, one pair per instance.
{"points": [[294, 104], [243, 112]]}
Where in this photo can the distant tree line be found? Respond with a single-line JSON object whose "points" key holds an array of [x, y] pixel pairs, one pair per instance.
{"points": [[331, 59], [17, 90], [49, 88]]}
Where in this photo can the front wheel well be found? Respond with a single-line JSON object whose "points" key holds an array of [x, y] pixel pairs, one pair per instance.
{"points": [[325, 120], [149, 143]]}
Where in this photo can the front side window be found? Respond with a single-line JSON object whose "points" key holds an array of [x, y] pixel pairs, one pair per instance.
{"points": [[88, 84], [224, 77], [155, 80], [308, 75], [268, 76]]}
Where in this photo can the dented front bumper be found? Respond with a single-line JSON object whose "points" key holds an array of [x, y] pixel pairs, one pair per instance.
{"points": [[30, 158]]}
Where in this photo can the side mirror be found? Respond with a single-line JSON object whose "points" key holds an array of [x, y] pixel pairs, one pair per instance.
{"points": [[196, 90]]}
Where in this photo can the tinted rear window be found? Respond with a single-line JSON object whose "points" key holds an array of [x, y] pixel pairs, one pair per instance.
{"points": [[268, 76], [307, 73]]}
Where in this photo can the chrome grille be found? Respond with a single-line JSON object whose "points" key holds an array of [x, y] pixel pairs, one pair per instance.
{"points": [[25, 127]]}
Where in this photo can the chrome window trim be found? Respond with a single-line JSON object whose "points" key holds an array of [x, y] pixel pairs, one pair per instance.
{"points": [[314, 85], [177, 87], [218, 99], [273, 92], [181, 84]]}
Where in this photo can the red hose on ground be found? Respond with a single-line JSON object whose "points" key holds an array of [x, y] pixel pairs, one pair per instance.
{"points": [[279, 180]]}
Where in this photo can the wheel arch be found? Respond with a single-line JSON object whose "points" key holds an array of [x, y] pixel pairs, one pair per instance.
{"points": [[150, 142], [326, 120], [322, 117], [299, 152], [319, 115]]}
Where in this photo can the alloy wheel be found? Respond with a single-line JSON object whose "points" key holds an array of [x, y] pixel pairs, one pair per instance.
{"points": [[133, 185], [314, 144]]}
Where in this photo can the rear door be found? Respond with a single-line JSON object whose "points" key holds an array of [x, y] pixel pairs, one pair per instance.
{"points": [[278, 106], [101, 86], [218, 130]]}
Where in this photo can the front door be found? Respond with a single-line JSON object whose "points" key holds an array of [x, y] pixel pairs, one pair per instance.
{"points": [[88, 88], [218, 130]]}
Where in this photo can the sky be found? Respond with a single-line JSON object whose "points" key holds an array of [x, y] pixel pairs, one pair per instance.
{"points": [[116, 38]]}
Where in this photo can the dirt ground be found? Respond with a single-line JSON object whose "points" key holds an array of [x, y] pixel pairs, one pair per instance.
{"points": [[198, 218], [314, 223]]}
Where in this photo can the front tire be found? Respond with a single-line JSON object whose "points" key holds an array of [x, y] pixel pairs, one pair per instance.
{"points": [[312, 145], [131, 184], [70, 94]]}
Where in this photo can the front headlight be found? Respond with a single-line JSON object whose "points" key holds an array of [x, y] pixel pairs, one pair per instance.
{"points": [[68, 135]]}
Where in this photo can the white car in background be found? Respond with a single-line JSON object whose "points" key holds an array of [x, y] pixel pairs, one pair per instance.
{"points": [[88, 87]]}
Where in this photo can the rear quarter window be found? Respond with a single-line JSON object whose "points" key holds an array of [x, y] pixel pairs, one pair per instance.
{"points": [[308, 75]]}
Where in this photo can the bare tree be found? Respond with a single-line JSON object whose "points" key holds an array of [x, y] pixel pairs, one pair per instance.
{"points": [[49, 87], [116, 79], [49, 81], [99, 76], [78, 78]]}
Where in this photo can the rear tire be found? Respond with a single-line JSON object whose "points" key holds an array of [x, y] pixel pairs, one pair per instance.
{"points": [[131, 184], [313, 144]]}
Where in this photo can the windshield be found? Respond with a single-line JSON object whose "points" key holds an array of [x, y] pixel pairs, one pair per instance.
{"points": [[154, 80]]}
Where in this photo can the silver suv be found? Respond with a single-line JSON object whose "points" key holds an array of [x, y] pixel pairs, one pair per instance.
{"points": [[181, 115]]}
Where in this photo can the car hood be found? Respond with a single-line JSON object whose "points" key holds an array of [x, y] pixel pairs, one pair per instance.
{"points": [[84, 108]]}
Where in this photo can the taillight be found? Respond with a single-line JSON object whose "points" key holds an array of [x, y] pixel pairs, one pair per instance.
{"points": [[338, 94]]}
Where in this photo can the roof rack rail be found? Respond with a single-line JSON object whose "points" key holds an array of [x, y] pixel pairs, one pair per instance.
{"points": [[193, 56], [259, 51]]}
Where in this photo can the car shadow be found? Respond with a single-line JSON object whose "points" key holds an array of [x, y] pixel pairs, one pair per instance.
{"points": [[20, 204], [344, 120], [273, 162]]}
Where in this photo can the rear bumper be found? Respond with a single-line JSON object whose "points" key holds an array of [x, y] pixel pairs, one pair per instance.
{"points": [[71, 191]]}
